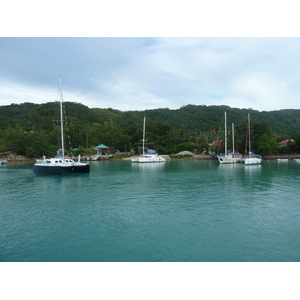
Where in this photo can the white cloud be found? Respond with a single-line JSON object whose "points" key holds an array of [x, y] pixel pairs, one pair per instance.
{"points": [[16, 93], [144, 73]]}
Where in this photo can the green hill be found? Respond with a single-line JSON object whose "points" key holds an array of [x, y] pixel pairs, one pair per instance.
{"points": [[33, 129]]}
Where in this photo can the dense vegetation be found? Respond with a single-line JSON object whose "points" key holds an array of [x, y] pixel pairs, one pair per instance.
{"points": [[33, 129]]}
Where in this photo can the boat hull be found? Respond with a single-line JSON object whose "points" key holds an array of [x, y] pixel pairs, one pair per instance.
{"points": [[253, 161], [51, 170], [81, 169], [148, 159], [229, 160], [58, 170]]}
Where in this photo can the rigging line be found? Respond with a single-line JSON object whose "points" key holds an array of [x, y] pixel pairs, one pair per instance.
{"points": [[65, 120], [67, 127]]}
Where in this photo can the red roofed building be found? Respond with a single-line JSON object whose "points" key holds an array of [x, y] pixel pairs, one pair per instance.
{"points": [[286, 142], [216, 143], [212, 147]]}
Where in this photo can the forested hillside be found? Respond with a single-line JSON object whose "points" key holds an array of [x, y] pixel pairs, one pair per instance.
{"points": [[33, 129]]}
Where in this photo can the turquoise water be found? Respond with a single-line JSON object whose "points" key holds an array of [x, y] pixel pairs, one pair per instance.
{"points": [[190, 211]]}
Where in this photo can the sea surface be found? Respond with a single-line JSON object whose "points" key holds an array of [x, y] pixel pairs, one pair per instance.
{"points": [[177, 211]]}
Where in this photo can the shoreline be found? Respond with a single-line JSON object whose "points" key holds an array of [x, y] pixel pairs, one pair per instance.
{"points": [[167, 157]]}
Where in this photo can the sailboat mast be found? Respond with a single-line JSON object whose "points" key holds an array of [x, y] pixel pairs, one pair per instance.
{"points": [[61, 119], [225, 134], [249, 134], [144, 127], [232, 137], [246, 142]]}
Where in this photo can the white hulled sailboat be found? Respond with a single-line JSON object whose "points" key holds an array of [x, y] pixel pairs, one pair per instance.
{"points": [[233, 157], [147, 157], [252, 159]]}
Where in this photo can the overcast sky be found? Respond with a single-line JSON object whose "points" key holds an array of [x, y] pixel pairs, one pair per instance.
{"points": [[146, 73], [138, 73]]}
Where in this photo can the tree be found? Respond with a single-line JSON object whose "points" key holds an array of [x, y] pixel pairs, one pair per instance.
{"points": [[262, 137], [266, 145], [14, 139], [297, 142]]}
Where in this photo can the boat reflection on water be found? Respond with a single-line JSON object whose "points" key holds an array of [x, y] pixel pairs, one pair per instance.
{"points": [[252, 169]]}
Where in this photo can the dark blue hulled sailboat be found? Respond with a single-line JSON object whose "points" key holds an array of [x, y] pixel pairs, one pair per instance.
{"points": [[60, 165]]}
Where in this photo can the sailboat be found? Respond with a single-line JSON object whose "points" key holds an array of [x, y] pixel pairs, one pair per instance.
{"points": [[147, 157], [59, 165], [233, 157], [252, 159]]}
